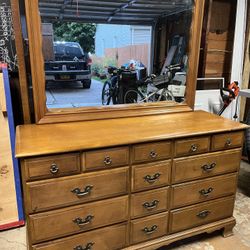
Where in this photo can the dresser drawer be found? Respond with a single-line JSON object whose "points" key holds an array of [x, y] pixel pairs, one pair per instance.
{"points": [[51, 166], [44, 195], [150, 175], [200, 191], [146, 203], [192, 146], [151, 152], [207, 165], [106, 158], [227, 140], [149, 228], [66, 221], [200, 214], [109, 238]]}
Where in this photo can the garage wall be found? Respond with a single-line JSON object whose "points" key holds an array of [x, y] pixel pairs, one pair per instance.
{"points": [[217, 42], [111, 36]]}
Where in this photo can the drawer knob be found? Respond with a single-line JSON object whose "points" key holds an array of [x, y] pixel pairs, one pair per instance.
{"points": [[79, 193], [87, 247], [153, 154], [151, 205], [83, 222], [228, 142], [194, 148], [107, 161], [205, 192], [54, 169], [152, 179], [203, 214], [208, 168], [151, 230]]}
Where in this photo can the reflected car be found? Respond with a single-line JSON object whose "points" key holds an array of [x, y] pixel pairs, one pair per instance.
{"points": [[71, 64]]}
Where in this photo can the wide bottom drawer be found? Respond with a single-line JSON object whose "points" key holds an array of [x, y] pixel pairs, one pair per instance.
{"points": [[110, 238], [149, 228], [72, 190], [200, 214], [77, 219], [203, 190]]}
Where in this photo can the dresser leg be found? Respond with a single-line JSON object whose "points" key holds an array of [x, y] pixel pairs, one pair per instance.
{"points": [[228, 230]]}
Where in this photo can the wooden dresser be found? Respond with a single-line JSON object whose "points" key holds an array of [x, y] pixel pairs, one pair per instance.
{"points": [[131, 183]]}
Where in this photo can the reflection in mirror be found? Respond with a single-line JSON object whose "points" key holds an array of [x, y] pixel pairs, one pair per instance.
{"points": [[101, 53]]}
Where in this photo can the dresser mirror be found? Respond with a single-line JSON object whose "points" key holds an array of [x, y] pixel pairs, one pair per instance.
{"points": [[108, 59]]}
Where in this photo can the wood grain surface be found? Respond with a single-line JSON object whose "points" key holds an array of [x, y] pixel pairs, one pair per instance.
{"points": [[62, 222], [203, 190], [33, 140], [54, 193], [109, 238], [191, 168]]}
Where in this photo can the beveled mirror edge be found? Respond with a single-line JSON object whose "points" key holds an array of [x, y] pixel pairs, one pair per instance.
{"points": [[44, 116]]}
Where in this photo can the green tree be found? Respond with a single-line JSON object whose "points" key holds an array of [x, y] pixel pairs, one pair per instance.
{"points": [[83, 33]]}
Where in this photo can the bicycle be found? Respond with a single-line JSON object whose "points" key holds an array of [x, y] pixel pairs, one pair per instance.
{"points": [[110, 87], [152, 94], [153, 88]]}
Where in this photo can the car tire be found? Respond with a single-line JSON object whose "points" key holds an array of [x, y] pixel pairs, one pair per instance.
{"points": [[86, 84]]}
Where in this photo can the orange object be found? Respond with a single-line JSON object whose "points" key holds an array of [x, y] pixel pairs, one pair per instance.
{"points": [[229, 94]]}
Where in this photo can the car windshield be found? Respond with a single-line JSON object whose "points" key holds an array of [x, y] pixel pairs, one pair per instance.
{"points": [[68, 50]]}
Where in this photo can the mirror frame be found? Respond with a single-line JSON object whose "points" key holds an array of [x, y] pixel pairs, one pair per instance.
{"points": [[44, 115]]}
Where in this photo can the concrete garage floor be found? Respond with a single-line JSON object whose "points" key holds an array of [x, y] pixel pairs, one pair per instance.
{"points": [[68, 95], [15, 239]]}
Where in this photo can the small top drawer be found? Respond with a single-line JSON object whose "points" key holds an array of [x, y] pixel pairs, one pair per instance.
{"points": [[151, 152], [227, 140], [105, 158], [192, 146], [51, 166]]}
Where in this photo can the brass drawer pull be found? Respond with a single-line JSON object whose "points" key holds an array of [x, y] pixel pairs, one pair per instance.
{"points": [[151, 205], [54, 169], [205, 192], [107, 161], [153, 154], [80, 193], [203, 214], [152, 179], [83, 222], [151, 230], [194, 148], [228, 142], [209, 168], [87, 247]]}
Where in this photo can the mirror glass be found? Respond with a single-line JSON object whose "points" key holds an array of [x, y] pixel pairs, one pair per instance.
{"points": [[115, 52]]}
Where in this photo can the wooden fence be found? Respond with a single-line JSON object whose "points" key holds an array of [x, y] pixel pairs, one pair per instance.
{"points": [[132, 52]]}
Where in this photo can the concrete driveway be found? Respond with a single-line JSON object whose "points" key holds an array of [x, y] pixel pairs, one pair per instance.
{"points": [[68, 95]]}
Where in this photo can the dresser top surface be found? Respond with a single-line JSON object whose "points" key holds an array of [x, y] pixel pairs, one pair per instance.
{"points": [[35, 140]]}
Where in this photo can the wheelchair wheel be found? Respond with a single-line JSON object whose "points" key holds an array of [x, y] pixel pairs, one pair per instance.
{"points": [[106, 93], [133, 96]]}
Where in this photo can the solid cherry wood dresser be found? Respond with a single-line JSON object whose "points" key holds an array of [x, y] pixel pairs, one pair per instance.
{"points": [[130, 183]]}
